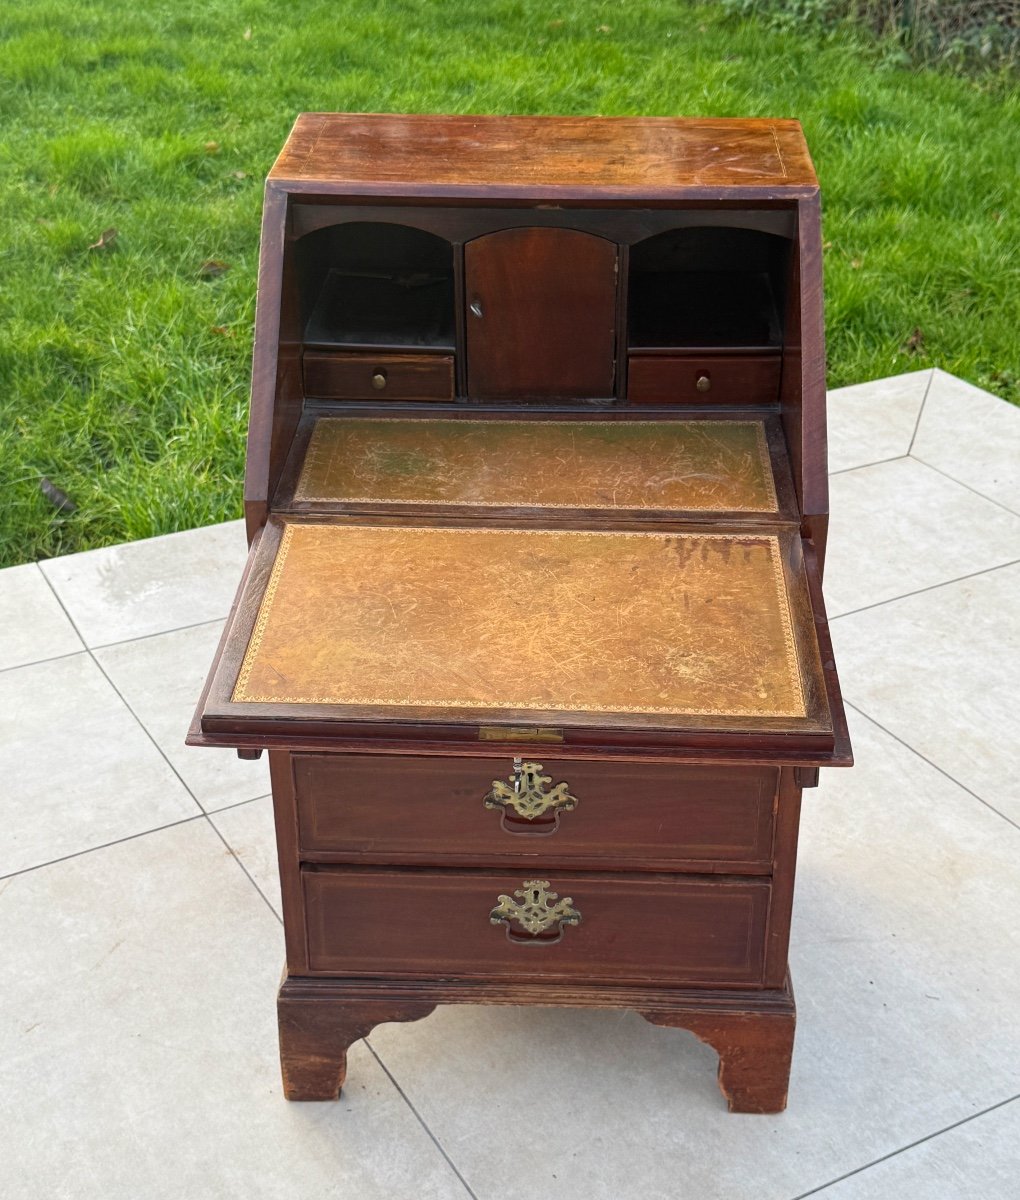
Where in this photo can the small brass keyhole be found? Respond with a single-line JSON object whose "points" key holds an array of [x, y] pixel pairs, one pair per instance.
{"points": [[379, 380], [703, 383]]}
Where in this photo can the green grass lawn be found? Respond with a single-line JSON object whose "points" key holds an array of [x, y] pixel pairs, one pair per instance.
{"points": [[124, 369]]}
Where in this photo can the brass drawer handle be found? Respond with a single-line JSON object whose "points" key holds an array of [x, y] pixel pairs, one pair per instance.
{"points": [[527, 795], [379, 380], [703, 383], [538, 913]]}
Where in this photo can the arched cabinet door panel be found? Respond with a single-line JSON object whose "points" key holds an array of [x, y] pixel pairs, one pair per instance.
{"points": [[541, 314]]}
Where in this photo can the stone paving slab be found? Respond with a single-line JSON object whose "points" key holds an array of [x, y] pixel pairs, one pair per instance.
{"points": [[152, 586], [78, 769], [973, 437], [900, 527], [33, 626], [137, 1032], [161, 677], [873, 422], [940, 670], [976, 1159]]}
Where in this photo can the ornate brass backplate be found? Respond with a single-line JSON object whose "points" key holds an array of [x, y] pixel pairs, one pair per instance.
{"points": [[528, 796], [538, 913]]}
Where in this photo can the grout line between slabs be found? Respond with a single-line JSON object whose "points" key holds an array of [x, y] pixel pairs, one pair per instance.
{"points": [[84, 649], [130, 837], [251, 878], [910, 1146], [913, 750], [861, 466], [141, 637], [920, 411], [37, 662], [421, 1121], [930, 588], [102, 846], [103, 646], [960, 483]]}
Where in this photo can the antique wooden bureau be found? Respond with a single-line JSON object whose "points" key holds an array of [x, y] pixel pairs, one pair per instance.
{"points": [[532, 626]]}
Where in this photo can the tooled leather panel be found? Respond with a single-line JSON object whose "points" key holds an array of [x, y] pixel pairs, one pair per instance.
{"points": [[719, 466], [681, 623]]}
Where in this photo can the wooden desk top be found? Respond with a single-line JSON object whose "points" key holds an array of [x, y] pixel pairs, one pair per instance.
{"points": [[699, 627], [530, 157], [662, 466]]}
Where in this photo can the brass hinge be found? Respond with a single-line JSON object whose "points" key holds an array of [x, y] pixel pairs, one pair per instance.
{"points": [[517, 733]]}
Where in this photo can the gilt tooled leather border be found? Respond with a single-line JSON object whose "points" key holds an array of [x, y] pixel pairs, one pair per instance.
{"points": [[306, 492], [241, 693]]}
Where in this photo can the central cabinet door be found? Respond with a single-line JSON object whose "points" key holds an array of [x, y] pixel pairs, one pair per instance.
{"points": [[541, 315]]}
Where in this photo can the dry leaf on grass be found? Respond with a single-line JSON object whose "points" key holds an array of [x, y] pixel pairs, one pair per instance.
{"points": [[105, 240], [915, 343], [213, 267], [60, 500]]}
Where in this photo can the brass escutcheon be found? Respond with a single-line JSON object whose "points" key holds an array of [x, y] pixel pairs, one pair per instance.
{"points": [[527, 795], [538, 912]]}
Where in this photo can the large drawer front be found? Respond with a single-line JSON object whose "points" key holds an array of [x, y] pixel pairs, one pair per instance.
{"points": [[432, 810], [346, 376], [422, 924], [712, 379]]}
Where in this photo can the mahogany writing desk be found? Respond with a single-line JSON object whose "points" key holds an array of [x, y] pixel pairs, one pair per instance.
{"points": [[532, 624]]}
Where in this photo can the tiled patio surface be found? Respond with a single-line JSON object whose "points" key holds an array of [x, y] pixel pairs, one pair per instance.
{"points": [[141, 944]]}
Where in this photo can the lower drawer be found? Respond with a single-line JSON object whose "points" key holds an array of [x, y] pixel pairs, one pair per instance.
{"points": [[435, 810], [712, 379], [429, 924], [379, 377]]}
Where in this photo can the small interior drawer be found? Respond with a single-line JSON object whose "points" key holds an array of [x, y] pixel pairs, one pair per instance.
{"points": [[443, 810], [703, 379], [613, 928], [350, 376]]}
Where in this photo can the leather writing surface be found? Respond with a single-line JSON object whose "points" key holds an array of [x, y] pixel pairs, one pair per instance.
{"points": [[718, 466], [679, 623]]}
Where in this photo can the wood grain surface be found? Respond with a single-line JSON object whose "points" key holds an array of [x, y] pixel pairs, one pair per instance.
{"points": [[418, 924], [541, 315], [434, 154], [363, 808]]}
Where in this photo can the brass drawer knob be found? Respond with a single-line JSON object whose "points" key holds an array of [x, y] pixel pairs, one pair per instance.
{"points": [[379, 380], [703, 383], [540, 911], [527, 795]]}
